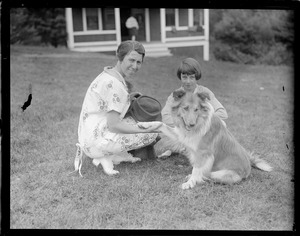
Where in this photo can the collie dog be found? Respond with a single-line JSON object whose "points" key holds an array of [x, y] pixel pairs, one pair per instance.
{"points": [[211, 149]]}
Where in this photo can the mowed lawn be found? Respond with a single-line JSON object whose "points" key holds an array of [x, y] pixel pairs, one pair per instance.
{"points": [[145, 195]]}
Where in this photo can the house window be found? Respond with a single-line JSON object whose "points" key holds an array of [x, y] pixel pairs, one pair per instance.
{"points": [[108, 18], [183, 17], [88, 19], [198, 16], [92, 19], [77, 19], [178, 18], [170, 17]]}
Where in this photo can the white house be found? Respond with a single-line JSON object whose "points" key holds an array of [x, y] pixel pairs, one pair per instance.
{"points": [[103, 29]]}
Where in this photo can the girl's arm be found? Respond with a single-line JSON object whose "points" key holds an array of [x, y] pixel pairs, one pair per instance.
{"points": [[220, 111]]}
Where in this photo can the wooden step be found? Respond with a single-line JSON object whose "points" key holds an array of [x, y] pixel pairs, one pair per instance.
{"points": [[158, 53], [157, 50]]}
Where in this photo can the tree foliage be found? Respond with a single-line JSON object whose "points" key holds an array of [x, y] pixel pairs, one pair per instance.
{"points": [[20, 30], [38, 26], [255, 36]]}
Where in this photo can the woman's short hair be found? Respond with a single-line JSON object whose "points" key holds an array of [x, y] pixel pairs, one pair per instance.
{"points": [[128, 46], [189, 66]]}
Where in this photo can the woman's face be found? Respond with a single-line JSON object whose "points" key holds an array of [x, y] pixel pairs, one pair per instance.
{"points": [[188, 82], [131, 64]]}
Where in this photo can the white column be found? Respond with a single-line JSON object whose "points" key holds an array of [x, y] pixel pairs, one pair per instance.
{"points": [[100, 19], [69, 25], [84, 19], [147, 25], [176, 17], [191, 17], [163, 25], [118, 25], [206, 35], [206, 51]]}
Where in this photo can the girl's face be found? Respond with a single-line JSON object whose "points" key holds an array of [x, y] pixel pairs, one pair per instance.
{"points": [[131, 64], [189, 82]]}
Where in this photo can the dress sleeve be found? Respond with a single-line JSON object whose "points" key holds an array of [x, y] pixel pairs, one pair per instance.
{"points": [[111, 95], [166, 112], [219, 108]]}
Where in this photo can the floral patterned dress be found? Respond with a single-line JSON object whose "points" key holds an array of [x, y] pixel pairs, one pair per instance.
{"points": [[107, 92]]}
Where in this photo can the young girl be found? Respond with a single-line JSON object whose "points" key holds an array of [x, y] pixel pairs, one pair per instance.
{"points": [[189, 73]]}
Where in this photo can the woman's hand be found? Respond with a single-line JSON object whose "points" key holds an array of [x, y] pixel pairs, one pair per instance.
{"points": [[168, 131], [152, 126], [116, 125]]}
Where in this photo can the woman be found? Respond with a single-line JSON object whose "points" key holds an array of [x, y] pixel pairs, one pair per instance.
{"points": [[103, 133], [188, 72]]}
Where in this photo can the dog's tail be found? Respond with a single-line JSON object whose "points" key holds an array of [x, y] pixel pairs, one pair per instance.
{"points": [[259, 163]]}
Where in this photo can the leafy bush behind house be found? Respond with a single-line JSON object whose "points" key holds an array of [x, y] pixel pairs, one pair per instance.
{"points": [[254, 36]]}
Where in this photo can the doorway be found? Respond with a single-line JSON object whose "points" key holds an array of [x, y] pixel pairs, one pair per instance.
{"points": [[139, 14], [154, 15]]}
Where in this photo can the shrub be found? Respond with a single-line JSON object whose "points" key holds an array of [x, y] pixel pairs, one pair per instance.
{"points": [[255, 36], [215, 16], [20, 30], [50, 25], [38, 26]]}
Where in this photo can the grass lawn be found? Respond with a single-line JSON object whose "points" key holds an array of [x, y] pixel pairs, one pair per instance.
{"points": [[146, 195]]}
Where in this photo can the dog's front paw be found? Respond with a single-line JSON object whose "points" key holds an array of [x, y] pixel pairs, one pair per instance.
{"points": [[189, 184], [111, 172]]}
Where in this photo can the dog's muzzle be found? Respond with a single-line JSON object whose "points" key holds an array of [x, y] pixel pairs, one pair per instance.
{"points": [[189, 127]]}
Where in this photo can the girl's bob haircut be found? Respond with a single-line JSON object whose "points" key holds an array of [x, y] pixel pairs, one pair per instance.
{"points": [[189, 66], [127, 47]]}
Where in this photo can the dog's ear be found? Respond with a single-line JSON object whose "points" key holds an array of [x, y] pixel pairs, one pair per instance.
{"points": [[178, 94], [203, 96]]}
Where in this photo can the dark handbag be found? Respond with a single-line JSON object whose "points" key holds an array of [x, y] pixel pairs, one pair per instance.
{"points": [[144, 109], [147, 152]]}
